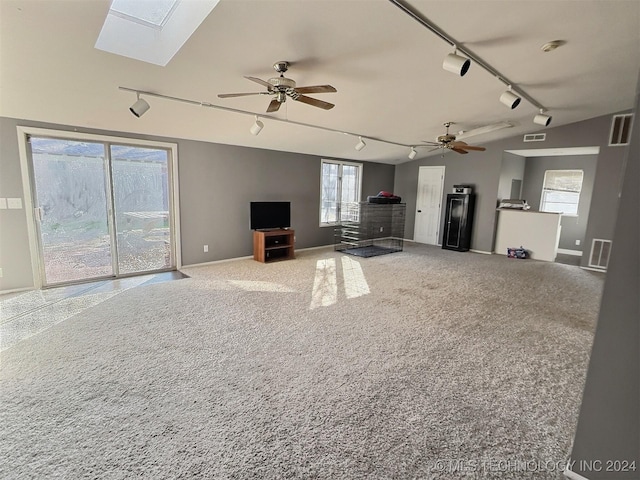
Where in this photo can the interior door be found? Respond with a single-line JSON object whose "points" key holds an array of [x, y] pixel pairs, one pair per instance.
{"points": [[428, 204], [72, 209]]}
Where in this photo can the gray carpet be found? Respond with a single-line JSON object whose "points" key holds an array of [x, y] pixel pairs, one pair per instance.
{"points": [[420, 364]]}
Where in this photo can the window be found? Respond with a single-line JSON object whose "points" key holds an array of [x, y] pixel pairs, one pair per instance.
{"points": [[340, 185], [561, 191]]}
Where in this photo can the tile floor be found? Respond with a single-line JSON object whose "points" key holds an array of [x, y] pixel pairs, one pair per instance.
{"points": [[25, 314]]}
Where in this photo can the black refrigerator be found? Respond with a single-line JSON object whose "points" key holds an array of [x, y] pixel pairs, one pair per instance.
{"points": [[458, 221]]}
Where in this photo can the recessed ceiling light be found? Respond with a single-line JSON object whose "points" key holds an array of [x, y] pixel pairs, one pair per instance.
{"points": [[551, 46]]}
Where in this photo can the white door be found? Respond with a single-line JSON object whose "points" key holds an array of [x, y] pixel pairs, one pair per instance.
{"points": [[428, 204]]}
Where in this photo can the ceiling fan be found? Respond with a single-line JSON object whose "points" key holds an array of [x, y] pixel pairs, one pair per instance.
{"points": [[448, 140], [282, 87]]}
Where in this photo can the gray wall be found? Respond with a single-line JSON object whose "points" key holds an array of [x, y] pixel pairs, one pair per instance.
{"points": [[609, 422], [484, 170], [217, 182], [483, 173], [512, 169], [573, 228]]}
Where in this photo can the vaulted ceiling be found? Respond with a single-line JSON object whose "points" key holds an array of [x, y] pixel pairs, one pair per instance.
{"points": [[386, 67]]}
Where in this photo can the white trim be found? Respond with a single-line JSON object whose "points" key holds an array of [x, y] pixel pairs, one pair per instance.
{"points": [[250, 257], [576, 253], [340, 164], [24, 132], [480, 251], [28, 206], [16, 290], [214, 262], [571, 475], [592, 269]]}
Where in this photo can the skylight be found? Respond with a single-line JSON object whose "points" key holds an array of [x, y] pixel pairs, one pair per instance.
{"points": [[153, 13], [152, 31]]}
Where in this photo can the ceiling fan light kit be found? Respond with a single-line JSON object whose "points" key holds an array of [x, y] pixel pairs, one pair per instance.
{"points": [[448, 142], [282, 88]]}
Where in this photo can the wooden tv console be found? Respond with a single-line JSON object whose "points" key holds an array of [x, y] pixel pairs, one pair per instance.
{"points": [[273, 245]]}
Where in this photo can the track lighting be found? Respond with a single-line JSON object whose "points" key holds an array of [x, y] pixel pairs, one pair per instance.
{"points": [[454, 63], [360, 145], [412, 153], [140, 107], [257, 127], [542, 119], [510, 99]]}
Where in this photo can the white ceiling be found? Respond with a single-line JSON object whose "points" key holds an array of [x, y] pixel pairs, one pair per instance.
{"points": [[385, 66]]}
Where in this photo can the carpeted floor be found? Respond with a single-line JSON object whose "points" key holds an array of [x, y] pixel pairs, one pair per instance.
{"points": [[419, 364]]}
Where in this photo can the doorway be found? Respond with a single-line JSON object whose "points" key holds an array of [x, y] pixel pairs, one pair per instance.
{"points": [[429, 205], [102, 209]]}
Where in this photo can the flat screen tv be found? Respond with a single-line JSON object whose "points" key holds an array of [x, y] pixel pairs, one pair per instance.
{"points": [[270, 215]]}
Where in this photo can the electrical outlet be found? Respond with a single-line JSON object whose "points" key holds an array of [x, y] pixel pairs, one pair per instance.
{"points": [[206, 248], [382, 229], [577, 242]]}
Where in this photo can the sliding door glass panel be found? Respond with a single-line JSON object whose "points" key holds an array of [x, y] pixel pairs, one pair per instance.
{"points": [[330, 188], [72, 209], [350, 192], [142, 208]]}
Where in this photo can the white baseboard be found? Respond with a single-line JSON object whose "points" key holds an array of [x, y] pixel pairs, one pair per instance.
{"points": [[577, 253], [17, 290], [591, 269], [571, 475], [248, 257], [214, 262], [480, 251]]}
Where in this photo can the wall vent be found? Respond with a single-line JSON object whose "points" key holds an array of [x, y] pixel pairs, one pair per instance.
{"points": [[600, 251], [620, 130], [535, 137]]}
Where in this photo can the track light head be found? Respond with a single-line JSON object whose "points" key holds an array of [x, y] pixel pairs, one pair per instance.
{"points": [[542, 119], [140, 107], [360, 145], [257, 127], [510, 99], [412, 153], [454, 63]]}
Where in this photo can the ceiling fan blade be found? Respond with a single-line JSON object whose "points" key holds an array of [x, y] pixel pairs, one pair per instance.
{"points": [[459, 150], [471, 147], [228, 95], [274, 106], [314, 102], [316, 89], [458, 143], [433, 149], [260, 81]]}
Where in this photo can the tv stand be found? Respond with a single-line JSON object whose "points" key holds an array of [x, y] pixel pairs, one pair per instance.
{"points": [[273, 245]]}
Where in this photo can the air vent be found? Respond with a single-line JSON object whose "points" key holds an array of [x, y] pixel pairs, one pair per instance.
{"points": [[620, 130], [535, 137], [600, 251]]}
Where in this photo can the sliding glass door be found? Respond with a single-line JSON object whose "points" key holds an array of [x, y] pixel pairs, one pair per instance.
{"points": [[102, 209]]}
